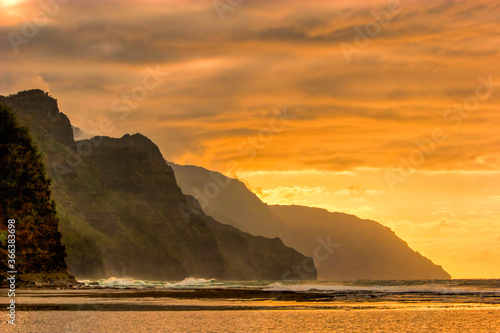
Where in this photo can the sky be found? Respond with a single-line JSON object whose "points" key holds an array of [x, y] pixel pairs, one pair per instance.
{"points": [[388, 110]]}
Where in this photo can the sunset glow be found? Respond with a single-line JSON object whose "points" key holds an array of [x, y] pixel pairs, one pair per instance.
{"points": [[402, 130]]}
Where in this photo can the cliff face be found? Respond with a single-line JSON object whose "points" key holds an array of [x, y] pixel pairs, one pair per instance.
{"points": [[344, 247], [364, 249], [29, 225], [41, 115], [231, 196], [122, 213]]}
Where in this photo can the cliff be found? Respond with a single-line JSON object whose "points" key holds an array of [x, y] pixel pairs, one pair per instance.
{"points": [[343, 246], [122, 213], [31, 241]]}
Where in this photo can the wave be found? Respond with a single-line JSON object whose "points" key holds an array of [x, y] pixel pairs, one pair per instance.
{"points": [[129, 282], [430, 289], [453, 287], [192, 282]]}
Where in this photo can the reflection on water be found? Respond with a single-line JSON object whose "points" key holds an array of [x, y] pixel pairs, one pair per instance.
{"points": [[456, 320], [197, 305]]}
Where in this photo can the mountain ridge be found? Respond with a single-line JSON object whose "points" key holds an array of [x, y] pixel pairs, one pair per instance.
{"points": [[352, 254], [119, 206]]}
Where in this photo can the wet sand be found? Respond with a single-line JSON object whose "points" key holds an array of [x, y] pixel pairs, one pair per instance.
{"points": [[237, 310], [443, 320]]}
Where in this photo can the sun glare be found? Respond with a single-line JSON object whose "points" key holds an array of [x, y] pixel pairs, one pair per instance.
{"points": [[9, 3]]}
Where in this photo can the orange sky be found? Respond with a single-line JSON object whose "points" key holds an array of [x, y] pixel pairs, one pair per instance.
{"points": [[349, 121]]}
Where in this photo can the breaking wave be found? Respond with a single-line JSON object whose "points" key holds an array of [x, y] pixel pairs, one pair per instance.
{"points": [[434, 288], [444, 287], [128, 282]]}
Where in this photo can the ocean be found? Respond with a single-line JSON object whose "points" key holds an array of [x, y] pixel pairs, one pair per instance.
{"points": [[199, 305]]}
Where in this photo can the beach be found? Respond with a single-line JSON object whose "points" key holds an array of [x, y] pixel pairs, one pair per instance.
{"points": [[199, 305], [429, 320]]}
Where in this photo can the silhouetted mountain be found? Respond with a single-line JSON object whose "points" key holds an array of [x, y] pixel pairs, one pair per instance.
{"points": [[344, 247], [122, 212], [79, 134], [365, 249], [25, 200], [221, 197]]}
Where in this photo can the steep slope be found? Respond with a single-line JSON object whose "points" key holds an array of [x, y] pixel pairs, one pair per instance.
{"points": [[363, 249], [25, 200], [235, 246], [343, 246], [122, 212], [221, 197]]}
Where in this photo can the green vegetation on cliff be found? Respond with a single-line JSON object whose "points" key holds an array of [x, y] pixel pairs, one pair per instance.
{"points": [[25, 197], [122, 213]]}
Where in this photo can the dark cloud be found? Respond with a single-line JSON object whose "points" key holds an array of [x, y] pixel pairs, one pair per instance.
{"points": [[227, 76]]}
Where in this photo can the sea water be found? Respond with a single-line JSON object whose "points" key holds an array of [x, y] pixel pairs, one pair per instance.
{"points": [[200, 305]]}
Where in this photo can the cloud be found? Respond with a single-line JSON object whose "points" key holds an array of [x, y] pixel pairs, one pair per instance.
{"points": [[356, 191], [288, 194], [26, 81], [351, 121], [225, 76]]}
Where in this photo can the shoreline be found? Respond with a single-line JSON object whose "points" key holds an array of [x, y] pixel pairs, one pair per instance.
{"points": [[284, 321], [218, 299], [107, 309]]}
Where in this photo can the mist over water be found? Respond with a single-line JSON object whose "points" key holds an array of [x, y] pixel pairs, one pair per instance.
{"points": [[445, 287], [200, 305]]}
